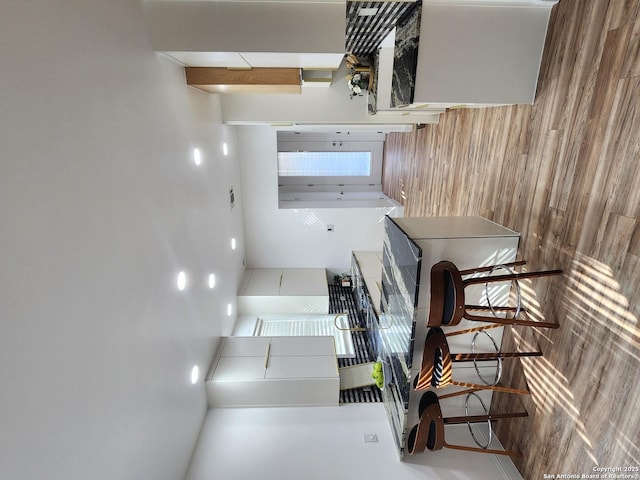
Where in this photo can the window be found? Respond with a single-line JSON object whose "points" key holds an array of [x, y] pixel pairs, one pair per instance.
{"points": [[324, 164], [329, 169]]}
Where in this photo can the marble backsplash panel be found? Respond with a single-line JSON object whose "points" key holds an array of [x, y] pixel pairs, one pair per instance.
{"points": [[365, 33], [401, 264], [406, 58]]}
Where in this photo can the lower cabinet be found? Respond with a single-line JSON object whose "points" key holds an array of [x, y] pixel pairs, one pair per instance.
{"points": [[276, 371]]}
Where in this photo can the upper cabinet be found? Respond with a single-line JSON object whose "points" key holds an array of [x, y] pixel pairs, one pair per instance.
{"points": [[284, 291], [249, 34], [261, 281], [274, 371], [304, 281]]}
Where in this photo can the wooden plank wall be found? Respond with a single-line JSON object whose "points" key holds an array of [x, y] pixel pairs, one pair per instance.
{"points": [[566, 173]]}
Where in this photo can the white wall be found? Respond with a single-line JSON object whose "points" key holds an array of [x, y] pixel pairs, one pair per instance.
{"points": [[296, 238], [100, 206], [319, 443]]}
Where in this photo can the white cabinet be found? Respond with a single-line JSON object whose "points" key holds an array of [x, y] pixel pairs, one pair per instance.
{"points": [[283, 291], [480, 54], [248, 60], [302, 346], [330, 61], [239, 368], [261, 282], [474, 53], [300, 367], [251, 33], [303, 281], [245, 346], [276, 371]]}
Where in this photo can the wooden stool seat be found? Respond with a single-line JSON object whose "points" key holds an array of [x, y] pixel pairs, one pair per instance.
{"points": [[437, 363], [429, 432], [448, 306]]}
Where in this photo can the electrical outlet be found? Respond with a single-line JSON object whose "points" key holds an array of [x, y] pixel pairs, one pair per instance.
{"points": [[370, 438]]}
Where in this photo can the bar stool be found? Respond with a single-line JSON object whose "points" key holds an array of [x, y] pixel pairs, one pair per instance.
{"points": [[448, 300], [437, 363], [429, 432]]}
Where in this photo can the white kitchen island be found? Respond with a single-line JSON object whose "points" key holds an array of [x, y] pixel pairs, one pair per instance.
{"points": [[463, 53], [411, 247]]}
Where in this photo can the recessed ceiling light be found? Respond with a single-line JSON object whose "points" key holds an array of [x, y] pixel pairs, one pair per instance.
{"points": [[229, 309], [233, 244], [195, 374], [225, 148], [212, 280], [197, 158], [182, 280]]}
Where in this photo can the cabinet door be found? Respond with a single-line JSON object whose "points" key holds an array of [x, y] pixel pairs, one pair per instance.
{"points": [[212, 59], [263, 281], [330, 61], [302, 346], [234, 369], [245, 347], [301, 367], [249, 374], [304, 281]]}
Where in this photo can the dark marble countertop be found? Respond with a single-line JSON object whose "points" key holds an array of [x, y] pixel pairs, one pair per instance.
{"points": [[405, 60], [395, 332]]}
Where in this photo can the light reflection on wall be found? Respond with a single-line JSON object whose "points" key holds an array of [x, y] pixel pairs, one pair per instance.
{"points": [[310, 219]]}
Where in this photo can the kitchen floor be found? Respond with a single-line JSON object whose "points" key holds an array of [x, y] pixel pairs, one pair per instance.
{"points": [[565, 173]]}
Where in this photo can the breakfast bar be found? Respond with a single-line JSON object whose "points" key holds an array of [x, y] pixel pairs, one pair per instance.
{"points": [[411, 246]]}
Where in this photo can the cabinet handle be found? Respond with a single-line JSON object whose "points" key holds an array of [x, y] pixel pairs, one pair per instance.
{"points": [[266, 358]]}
